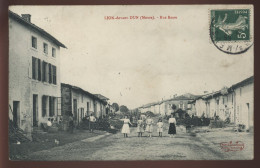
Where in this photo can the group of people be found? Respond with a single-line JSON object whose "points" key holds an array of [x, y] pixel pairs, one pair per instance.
{"points": [[146, 125]]}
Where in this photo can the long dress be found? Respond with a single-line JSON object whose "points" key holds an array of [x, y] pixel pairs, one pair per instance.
{"points": [[140, 126], [149, 126], [125, 128], [172, 127]]}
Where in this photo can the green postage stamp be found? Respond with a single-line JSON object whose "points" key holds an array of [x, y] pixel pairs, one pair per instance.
{"points": [[231, 30]]}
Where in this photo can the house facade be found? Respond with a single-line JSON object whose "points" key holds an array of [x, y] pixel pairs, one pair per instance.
{"points": [[164, 107], [235, 103], [181, 102], [244, 102], [80, 103], [34, 73], [102, 105]]}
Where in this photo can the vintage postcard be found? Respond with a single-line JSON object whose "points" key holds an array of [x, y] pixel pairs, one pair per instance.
{"points": [[131, 82]]}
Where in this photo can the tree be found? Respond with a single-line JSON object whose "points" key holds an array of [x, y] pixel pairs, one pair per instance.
{"points": [[115, 106], [174, 107], [123, 108]]}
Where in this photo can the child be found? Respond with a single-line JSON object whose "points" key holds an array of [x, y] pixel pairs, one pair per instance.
{"points": [[160, 127], [140, 127], [149, 126]]}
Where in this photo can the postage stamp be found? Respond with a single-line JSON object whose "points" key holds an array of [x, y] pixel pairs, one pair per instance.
{"points": [[230, 30]]}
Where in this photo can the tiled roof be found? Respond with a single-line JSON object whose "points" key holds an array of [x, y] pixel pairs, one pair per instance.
{"points": [[243, 82], [83, 91], [101, 97]]}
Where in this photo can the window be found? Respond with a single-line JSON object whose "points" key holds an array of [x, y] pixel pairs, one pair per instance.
{"points": [[240, 91], [33, 68], [45, 48], [53, 52], [54, 74], [34, 42], [50, 73]]}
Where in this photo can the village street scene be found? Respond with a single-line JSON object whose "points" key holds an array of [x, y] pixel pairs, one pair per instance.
{"points": [[59, 112]]}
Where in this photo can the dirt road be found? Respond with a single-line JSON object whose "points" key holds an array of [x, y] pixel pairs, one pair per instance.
{"points": [[203, 146]]}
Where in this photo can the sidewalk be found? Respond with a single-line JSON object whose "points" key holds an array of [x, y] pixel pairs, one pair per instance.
{"points": [[45, 141], [215, 137]]}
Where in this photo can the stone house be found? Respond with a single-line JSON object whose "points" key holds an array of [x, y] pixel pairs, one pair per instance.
{"points": [[34, 73], [235, 103], [181, 102], [80, 103], [244, 102], [102, 106]]}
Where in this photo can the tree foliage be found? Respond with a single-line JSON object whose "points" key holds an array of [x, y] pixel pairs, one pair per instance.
{"points": [[174, 106], [123, 108], [115, 106]]}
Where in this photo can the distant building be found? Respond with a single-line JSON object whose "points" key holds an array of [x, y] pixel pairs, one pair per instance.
{"points": [[111, 109], [102, 107], [34, 73], [181, 102], [164, 107]]}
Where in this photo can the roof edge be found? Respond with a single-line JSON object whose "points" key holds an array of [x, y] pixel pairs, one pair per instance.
{"points": [[40, 30]]}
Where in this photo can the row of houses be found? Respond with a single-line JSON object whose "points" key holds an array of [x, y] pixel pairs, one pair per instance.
{"points": [[81, 103], [235, 103], [35, 90], [164, 107]]}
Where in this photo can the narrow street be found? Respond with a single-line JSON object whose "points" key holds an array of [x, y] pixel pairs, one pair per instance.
{"points": [[184, 146]]}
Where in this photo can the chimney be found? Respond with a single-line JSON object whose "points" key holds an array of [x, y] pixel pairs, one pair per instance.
{"points": [[26, 17]]}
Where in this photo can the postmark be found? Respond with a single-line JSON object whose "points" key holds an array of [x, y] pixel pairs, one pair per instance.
{"points": [[231, 30], [232, 146]]}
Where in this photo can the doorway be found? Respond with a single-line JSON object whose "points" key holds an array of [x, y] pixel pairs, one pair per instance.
{"points": [[35, 110], [95, 109], [75, 109], [88, 109], [248, 114], [16, 113]]}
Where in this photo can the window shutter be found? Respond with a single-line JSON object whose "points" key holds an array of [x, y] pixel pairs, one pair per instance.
{"points": [[33, 68], [43, 71], [50, 74], [54, 73], [39, 70]]}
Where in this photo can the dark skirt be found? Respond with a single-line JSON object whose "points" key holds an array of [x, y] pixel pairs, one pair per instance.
{"points": [[172, 129]]}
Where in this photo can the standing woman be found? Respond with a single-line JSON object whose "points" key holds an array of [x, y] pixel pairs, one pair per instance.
{"points": [[172, 127], [149, 126], [140, 127], [125, 128]]}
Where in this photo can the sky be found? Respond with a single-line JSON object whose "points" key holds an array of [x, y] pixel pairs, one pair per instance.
{"points": [[134, 62]]}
